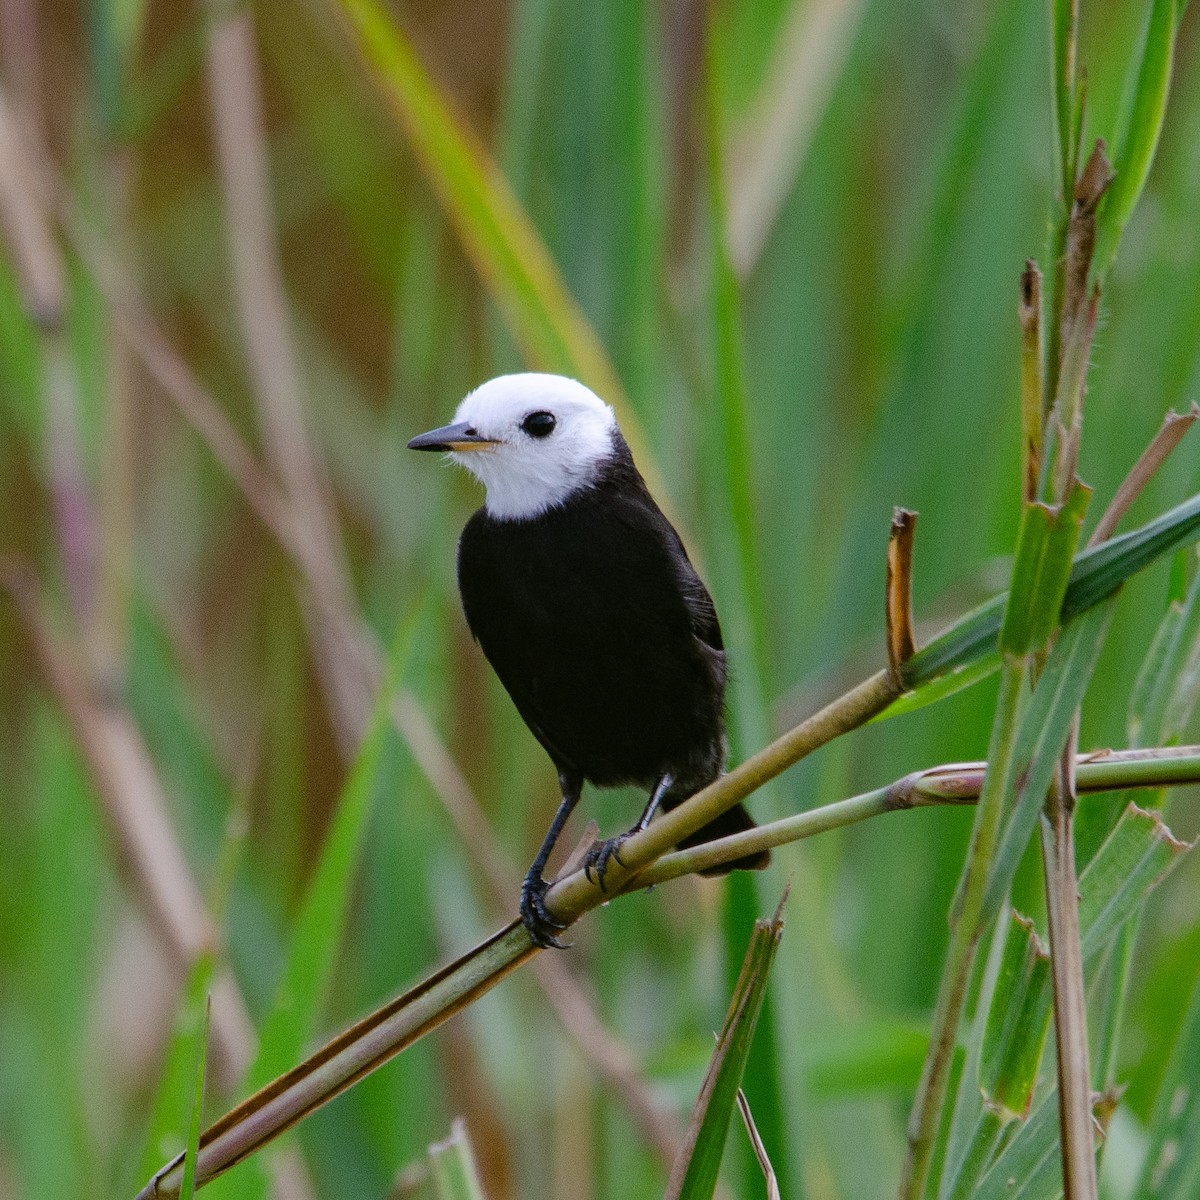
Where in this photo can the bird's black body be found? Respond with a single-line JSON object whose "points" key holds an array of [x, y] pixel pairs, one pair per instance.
{"points": [[606, 639], [583, 599]]}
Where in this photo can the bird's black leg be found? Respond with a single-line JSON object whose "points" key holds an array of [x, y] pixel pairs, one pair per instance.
{"points": [[533, 891], [599, 855]]}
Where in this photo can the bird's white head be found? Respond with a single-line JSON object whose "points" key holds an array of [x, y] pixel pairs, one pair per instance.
{"points": [[532, 440]]}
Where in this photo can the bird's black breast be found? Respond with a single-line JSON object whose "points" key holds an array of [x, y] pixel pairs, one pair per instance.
{"points": [[602, 633]]}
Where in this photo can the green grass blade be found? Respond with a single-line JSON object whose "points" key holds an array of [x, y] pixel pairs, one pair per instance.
{"points": [[729, 458], [1172, 1166], [1160, 705], [1010, 1052], [1137, 856], [1150, 680], [1029, 1168], [168, 1111], [1164, 698], [1096, 573], [1134, 859], [1047, 601], [1101, 570], [1016, 629], [1045, 549], [942, 687], [1137, 141], [452, 1166], [734, 453], [496, 233], [187, 1188], [694, 1176], [1063, 49], [1041, 736], [1009, 1059]]}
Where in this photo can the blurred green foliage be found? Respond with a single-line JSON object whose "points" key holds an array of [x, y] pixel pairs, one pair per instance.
{"points": [[887, 171]]}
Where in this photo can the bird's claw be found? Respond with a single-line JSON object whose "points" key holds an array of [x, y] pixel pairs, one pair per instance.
{"points": [[599, 856], [539, 924]]}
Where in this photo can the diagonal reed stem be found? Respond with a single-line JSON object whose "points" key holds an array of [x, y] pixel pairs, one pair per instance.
{"points": [[394, 1027]]}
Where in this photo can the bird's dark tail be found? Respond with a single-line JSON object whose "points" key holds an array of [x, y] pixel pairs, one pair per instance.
{"points": [[735, 820]]}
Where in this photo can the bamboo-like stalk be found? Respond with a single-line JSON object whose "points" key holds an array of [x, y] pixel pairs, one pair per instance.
{"points": [[1070, 1010], [386, 1032], [1078, 320], [956, 783]]}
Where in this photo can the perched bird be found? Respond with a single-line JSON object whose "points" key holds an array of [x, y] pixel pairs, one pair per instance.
{"points": [[584, 601]]}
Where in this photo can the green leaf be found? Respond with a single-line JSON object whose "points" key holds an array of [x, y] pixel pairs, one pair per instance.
{"points": [[452, 1166], [1150, 679], [1064, 98], [1135, 857], [1045, 547], [1010, 1053], [1016, 629], [1041, 735], [1138, 138], [1172, 1166], [1097, 573], [1047, 602], [1165, 694], [984, 1142], [738, 559], [187, 1187], [694, 1176], [1009, 1059], [1030, 1166], [941, 687], [168, 1110]]}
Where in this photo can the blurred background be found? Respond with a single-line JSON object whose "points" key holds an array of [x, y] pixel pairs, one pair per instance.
{"points": [[249, 251]]}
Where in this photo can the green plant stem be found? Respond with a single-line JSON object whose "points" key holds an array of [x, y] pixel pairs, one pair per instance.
{"points": [[395, 1026], [1070, 1013], [385, 1033], [959, 783], [965, 929]]}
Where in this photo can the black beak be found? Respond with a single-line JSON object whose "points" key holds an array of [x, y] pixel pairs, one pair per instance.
{"points": [[451, 437]]}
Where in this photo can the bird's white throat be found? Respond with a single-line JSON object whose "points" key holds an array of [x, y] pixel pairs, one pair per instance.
{"points": [[526, 474]]}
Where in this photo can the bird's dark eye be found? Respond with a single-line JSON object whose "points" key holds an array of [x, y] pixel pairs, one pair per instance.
{"points": [[539, 424]]}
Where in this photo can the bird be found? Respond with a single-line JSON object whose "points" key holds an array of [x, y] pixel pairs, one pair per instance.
{"points": [[582, 597]]}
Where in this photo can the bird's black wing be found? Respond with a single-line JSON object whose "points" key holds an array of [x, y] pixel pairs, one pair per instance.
{"points": [[701, 610], [633, 496]]}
